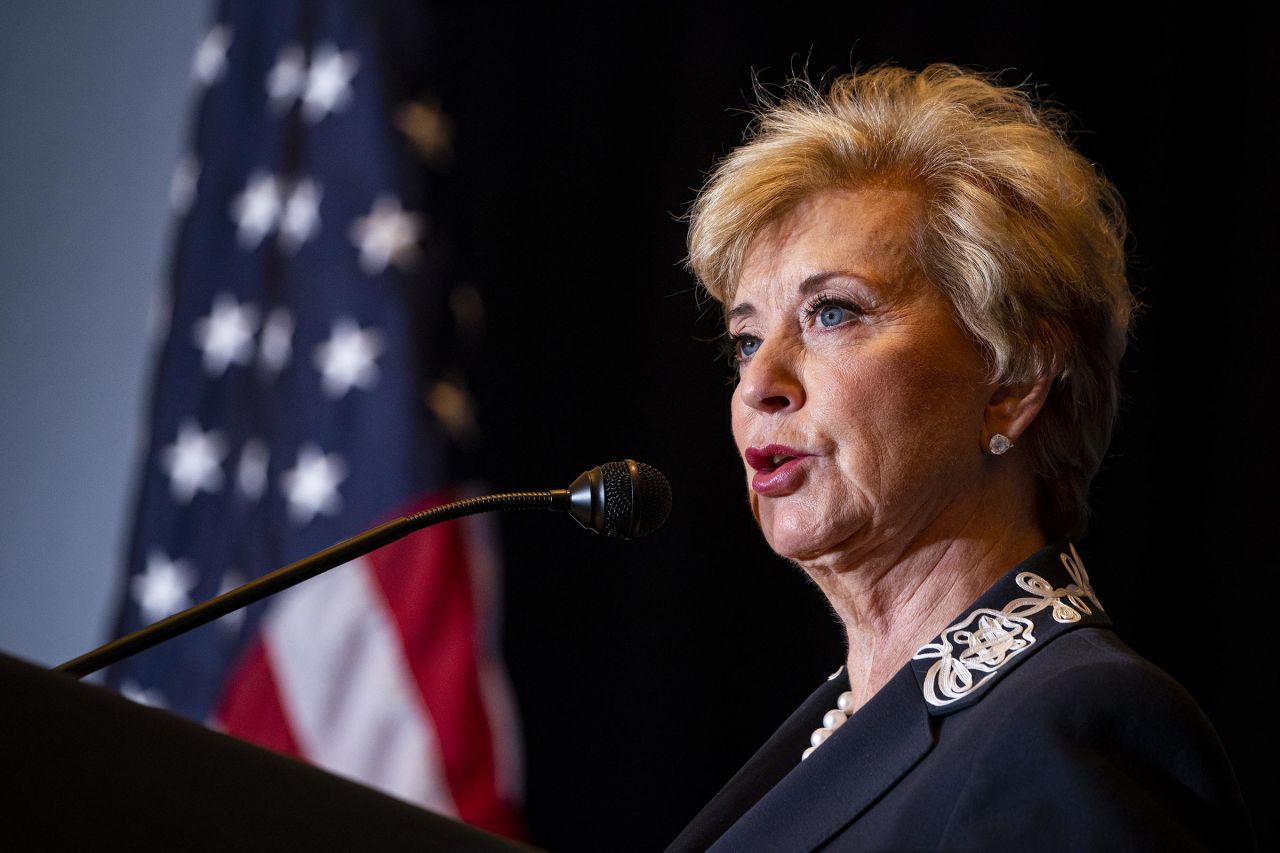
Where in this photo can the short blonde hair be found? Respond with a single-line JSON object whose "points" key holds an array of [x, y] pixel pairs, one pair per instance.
{"points": [[1021, 232]]}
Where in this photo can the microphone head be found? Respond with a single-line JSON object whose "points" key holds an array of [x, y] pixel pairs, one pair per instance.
{"points": [[621, 499]]}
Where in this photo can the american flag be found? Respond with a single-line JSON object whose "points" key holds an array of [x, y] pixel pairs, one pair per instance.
{"points": [[306, 389]]}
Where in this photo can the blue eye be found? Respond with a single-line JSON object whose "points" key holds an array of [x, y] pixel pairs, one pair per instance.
{"points": [[830, 311], [832, 315], [746, 345]]}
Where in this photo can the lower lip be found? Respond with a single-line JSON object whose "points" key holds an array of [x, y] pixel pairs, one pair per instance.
{"points": [[781, 480]]}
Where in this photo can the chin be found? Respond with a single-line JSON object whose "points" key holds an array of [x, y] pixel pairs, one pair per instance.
{"points": [[794, 535]]}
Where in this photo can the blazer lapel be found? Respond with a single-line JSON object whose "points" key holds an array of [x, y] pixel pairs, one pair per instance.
{"points": [[884, 739], [762, 771]]}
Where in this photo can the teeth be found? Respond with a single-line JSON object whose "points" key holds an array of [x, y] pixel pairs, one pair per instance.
{"points": [[778, 460]]}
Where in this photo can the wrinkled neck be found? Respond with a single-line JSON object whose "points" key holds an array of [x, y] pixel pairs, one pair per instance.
{"points": [[893, 599]]}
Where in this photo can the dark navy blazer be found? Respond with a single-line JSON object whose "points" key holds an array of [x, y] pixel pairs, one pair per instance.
{"points": [[1027, 724]]}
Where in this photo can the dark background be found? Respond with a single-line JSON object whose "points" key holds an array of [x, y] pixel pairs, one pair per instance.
{"points": [[648, 671]]}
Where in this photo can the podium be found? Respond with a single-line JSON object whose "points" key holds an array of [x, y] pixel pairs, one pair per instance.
{"points": [[84, 768]]}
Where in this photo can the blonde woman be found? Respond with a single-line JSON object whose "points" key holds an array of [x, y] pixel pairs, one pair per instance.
{"points": [[924, 286]]}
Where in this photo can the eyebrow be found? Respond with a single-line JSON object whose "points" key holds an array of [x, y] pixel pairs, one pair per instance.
{"points": [[811, 284]]}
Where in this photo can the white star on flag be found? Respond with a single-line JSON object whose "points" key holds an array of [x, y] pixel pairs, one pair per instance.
{"points": [[276, 345], [389, 234], [226, 334], [165, 587], [328, 86], [251, 472], [311, 486], [210, 61], [257, 209], [194, 461], [348, 359], [182, 186], [287, 77], [301, 219], [135, 692]]}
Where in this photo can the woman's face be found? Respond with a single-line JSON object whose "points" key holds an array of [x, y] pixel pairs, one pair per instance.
{"points": [[860, 400]]}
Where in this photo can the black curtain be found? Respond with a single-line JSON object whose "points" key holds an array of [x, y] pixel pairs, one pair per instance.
{"points": [[648, 671]]}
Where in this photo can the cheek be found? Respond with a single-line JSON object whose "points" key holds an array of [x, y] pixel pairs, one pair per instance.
{"points": [[949, 395], [900, 415], [931, 430], [860, 402], [738, 420]]}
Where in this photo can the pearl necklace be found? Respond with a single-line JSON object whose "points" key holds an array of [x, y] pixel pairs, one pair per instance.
{"points": [[831, 721]]}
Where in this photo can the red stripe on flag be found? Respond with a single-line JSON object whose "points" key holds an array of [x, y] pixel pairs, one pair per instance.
{"points": [[426, 580], [250, 706]]}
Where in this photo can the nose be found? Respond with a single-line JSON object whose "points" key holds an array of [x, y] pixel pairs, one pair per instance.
{"points": [[770, 381]]}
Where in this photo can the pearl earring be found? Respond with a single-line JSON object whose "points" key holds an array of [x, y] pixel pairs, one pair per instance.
{"points": [[999, 444]]}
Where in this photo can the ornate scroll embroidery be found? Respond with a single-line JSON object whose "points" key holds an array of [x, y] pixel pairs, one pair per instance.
{"points": [[988, 639]]}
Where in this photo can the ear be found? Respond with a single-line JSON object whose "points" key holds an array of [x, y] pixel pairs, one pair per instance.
{"points": [[1012, 408]]}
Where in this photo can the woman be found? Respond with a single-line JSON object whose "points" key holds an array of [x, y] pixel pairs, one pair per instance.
{"points": [[924, 286]]}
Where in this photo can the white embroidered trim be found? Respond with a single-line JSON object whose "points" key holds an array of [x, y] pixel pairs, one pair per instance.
{"points": [[1002, 634]]}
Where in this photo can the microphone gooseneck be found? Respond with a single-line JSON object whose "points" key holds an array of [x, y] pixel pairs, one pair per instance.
{"points": [[620, 499]]}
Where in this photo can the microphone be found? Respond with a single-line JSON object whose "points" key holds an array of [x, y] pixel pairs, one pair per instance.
{"points": [[619, 499]]}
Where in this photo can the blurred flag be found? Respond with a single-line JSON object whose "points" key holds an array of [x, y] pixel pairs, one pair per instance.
{"points": [[306, 389]]}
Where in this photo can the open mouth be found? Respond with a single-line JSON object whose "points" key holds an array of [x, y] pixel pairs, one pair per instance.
{"points": [[771, 458]]}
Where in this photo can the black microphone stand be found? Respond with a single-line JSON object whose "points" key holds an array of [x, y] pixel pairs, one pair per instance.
{"points": [[308, 567]]}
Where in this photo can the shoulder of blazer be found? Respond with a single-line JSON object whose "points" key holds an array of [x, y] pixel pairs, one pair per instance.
{"points": [[1104, 749]]}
